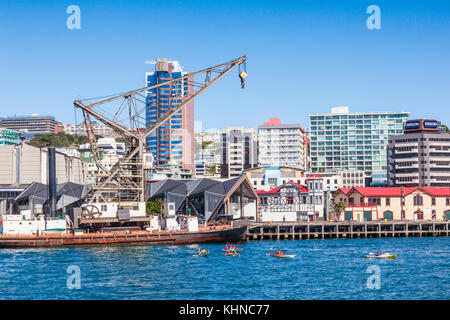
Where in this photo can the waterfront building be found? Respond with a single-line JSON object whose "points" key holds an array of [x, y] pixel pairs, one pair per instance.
{"points": [[30, 125], [238, 151], [420, 156], [175, 138], [353, 141], [35, 200], [208, 199], [385, 203], [292, 202], [282, 145], [268, 177], [9, 137], [23, 164]]}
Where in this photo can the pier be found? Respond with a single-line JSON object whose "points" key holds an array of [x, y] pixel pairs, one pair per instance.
{"points": [[346, 230]]}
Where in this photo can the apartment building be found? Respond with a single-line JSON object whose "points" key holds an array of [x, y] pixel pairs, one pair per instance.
{"points": [[353, 141], [238, 151], [282, 145]]}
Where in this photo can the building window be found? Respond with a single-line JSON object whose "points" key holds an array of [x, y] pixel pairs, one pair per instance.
{"points": [[433, 201], [388, 215], [419, 215], [388, 201], [418, 200]]}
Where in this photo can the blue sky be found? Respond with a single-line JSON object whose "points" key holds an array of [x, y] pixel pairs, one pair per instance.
{"points": [[303, 56]]}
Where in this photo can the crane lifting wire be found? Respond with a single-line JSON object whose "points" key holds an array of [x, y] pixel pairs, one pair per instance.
{"points": [[125, 114]]}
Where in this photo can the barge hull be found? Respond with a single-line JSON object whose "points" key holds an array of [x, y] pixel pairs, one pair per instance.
{"points": [[143, 238]]}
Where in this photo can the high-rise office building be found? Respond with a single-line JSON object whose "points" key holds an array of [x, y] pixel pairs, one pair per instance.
{"points": [[353, 141], [282, 145], [31, 125], [174, 140], [420, 156], [238, 151]]}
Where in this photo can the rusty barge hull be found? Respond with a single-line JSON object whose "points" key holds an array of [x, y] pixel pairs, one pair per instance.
{"points": [[121, 238]]}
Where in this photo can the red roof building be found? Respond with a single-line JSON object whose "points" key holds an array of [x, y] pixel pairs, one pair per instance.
{"points": [[394, 203]]}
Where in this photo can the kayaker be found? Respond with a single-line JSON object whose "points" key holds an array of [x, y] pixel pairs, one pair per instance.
{"points": [[378, 253], [279, 251]]}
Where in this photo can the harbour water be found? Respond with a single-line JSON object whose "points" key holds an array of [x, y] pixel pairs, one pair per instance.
{"points": [[322, 269]]}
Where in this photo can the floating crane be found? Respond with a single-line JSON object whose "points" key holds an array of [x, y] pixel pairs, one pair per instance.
{"points": [[125, 115]]}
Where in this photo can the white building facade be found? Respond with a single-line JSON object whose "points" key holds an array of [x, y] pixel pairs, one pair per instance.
{"points": [[282, 145], [238, 151]]}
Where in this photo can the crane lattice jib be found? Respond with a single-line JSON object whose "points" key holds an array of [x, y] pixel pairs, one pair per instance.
{"points": [[126, 177]]}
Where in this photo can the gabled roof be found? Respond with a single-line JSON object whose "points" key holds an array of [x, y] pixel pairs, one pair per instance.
{"points": [[277, 189], [229, 184], [167, 185], [36, 190], [201, 185], [66, 193], [344, 190]]}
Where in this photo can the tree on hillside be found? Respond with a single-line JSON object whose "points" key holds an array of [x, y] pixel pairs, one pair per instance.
{"points": [[58, 140]]}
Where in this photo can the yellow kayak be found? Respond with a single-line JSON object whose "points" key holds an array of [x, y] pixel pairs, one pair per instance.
{"points": [[383, 255]]}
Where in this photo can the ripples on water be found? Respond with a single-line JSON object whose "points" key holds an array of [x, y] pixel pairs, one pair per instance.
{"points": [[322, 269]]}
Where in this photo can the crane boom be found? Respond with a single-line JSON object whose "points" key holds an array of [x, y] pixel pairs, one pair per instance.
{"points": [[124, 181]]}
